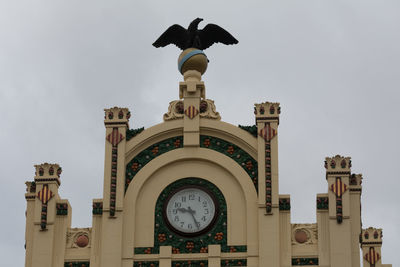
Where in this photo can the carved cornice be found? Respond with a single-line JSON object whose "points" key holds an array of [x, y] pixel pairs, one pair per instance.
{"points": [[355, 190], [45, 180]]}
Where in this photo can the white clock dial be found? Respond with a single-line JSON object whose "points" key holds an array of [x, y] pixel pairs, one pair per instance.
{"points": [[190, 210]]}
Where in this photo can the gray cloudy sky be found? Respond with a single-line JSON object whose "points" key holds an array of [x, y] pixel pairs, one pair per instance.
{"points": [[333, 66]]}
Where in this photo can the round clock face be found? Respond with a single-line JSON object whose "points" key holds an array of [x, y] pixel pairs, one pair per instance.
{"points": [[190, 211]]}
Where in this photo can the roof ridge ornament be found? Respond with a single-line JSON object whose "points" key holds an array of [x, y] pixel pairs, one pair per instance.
{"points": [[192, 37], [193, 41]]}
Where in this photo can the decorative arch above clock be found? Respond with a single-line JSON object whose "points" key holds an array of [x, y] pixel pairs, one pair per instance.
{"points": [[240, 156]]}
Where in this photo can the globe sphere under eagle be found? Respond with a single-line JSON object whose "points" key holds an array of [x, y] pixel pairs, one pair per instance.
{"points": [[192, 59]]}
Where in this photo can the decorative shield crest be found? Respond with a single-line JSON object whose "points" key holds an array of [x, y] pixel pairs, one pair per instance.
{"points": [[45, 194], [267, 132], [372, 256], [115, 137], [191, 112], [338, 187]]}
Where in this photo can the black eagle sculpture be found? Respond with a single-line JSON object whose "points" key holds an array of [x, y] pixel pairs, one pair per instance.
{"points": [[193, 37]]}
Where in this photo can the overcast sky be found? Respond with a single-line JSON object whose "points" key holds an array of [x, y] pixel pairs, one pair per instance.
{"points": [[333, 66]]}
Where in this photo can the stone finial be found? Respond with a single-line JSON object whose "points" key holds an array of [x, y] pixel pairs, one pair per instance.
{"points": [[337, 164], [47, 171], [30, 187], [371, 236], [267, 110], [116, 115], [356, 179]]}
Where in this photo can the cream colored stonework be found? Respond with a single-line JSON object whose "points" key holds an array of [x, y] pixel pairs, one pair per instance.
{"points": [[124, 220]]}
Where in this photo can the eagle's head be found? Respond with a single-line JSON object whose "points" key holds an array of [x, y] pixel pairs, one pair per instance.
{"points": [[195, 23]]}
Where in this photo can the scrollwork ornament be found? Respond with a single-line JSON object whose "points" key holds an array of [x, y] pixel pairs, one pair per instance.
{"points": [[174, 111], [209, 111]]}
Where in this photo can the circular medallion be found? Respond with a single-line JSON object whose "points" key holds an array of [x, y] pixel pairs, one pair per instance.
{"points": [[190, 210], [82, 241], [301, 236]]}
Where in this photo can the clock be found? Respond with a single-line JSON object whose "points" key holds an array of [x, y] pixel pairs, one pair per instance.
{"points": [[190, 210]]}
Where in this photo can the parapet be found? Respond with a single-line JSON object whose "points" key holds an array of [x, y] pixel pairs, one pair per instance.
{"points": [[47, 172], [371, 236], [116, 115], [338, 164], [267, 110]]}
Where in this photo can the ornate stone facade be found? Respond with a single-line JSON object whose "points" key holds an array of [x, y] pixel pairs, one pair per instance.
{"points": [[228, 171]]}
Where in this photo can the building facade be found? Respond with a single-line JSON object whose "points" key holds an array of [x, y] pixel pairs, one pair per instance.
{"points": [[197, 191]]}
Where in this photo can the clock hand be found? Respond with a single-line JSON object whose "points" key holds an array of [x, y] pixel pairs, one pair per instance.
{"points": [[194, 219], [182, 210]]}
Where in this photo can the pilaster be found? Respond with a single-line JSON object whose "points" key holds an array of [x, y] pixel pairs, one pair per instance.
{"points": [[97, 215], [116, 121], [191, 90], [61, 225], [267, 121], [41, 213], [30, 197], [337, 175], [371, 243], [323, 223], [285, 231], [355, 215]]}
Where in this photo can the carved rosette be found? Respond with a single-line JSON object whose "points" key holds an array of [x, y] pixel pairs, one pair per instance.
{"points": [[304, 234], [207, 110], [79, 237]]}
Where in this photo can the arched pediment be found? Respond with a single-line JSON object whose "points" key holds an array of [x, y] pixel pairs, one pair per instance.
{"points": [[169, 167], [215, 135]]}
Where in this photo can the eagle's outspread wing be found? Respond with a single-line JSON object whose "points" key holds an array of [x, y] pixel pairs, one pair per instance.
{"points": [[215, 34], [176, 35]]}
